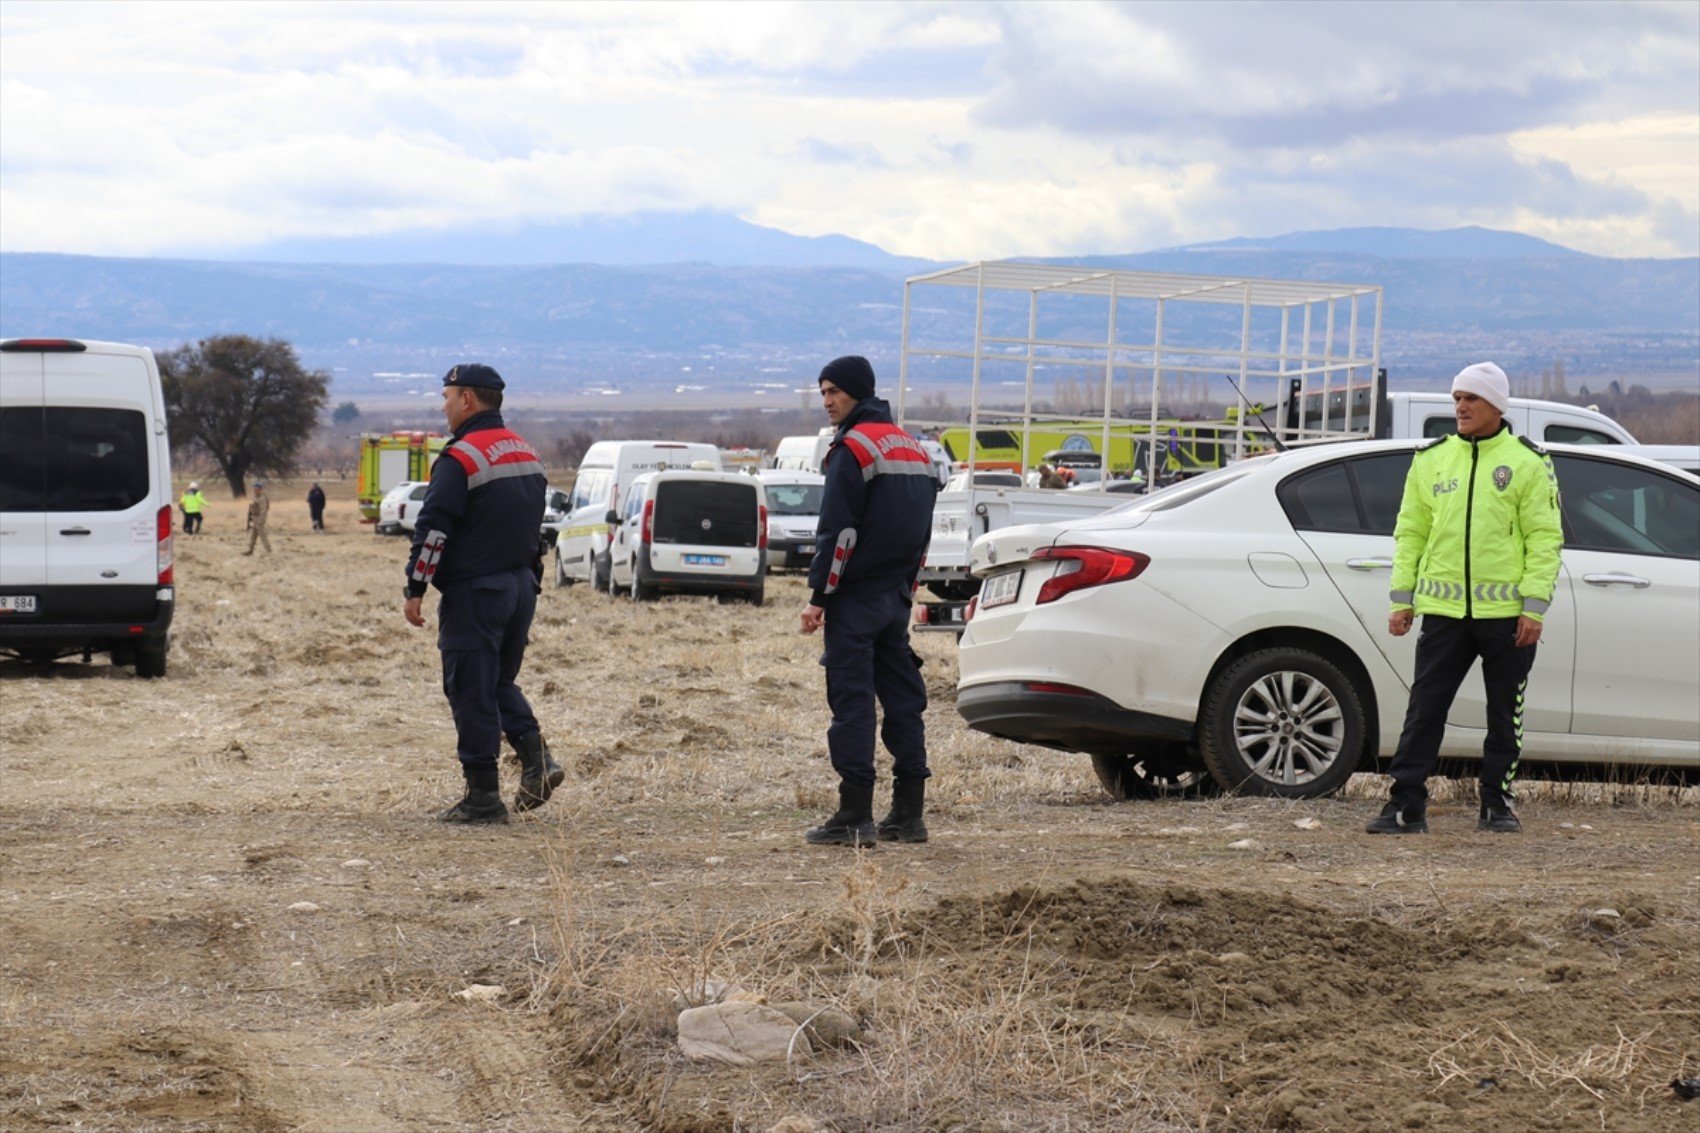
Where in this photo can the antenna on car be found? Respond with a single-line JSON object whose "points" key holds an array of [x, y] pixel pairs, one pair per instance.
{"points": [[1258, 413]]}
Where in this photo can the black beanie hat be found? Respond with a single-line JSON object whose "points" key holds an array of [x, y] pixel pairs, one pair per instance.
{"points": [[852, 374]]}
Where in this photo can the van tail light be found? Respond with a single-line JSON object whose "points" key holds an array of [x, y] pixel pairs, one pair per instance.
{"points": [[761, 527], [968, 613], [162, 529], [1079, 568], [648, 522]]}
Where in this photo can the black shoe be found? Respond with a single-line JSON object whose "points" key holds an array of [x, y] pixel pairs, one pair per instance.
{"points": [[852, 825], [1499, 820], [1392, 820], [483, 800], [539, 774], [903, 823]]}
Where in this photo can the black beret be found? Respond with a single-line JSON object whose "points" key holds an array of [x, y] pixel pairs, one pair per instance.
{"points": [[475, 375], [852, 374]]}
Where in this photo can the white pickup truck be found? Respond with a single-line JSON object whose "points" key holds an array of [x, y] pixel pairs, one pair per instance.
{"points": [[962, 516]]}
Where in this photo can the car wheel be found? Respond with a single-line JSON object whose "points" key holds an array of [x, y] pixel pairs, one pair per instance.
{"points": [[1282, 722], [150, 657], [601, 571], [641, 590], [614, 587], [758, 595], [1164, 772]]}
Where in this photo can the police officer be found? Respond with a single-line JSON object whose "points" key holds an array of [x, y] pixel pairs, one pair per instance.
{"points": [[1476, 550], [193, 505], [876, 517], [477, 540]]}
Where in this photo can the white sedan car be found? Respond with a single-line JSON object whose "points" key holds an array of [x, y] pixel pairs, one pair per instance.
{"points": [[1232, 630]]}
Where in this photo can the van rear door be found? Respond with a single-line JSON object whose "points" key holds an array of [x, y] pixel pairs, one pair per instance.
{"points": [[23, 479], [707, 527], [102, 523]]}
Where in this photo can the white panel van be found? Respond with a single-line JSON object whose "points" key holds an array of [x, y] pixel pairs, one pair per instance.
{"points": [[690, 532], [608, 467], [85, 504], [803, 453]]}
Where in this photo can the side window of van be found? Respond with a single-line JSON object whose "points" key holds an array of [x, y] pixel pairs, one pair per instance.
{"points": [[591, 488], [72, 458]]}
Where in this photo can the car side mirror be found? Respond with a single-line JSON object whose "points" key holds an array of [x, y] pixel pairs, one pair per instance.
{"points": [[611, 517]]}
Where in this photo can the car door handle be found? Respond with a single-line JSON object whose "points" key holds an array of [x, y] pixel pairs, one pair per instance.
{"points": [[1370, 564], [75, 531], [1616, 578]]}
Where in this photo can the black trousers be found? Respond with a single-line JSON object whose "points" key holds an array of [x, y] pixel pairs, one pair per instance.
{"points": [[482, 630], [1446, 648], [868, 658]]}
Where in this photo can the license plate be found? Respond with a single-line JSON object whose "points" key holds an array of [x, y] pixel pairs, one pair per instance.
{"points": [[17, 603], [705, 560], [1000, 589]]}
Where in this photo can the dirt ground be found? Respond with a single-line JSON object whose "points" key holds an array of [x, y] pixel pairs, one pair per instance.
{"points": [[224, 904]]}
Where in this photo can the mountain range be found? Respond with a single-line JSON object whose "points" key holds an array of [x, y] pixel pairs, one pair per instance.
{"points": [[715, 295]]}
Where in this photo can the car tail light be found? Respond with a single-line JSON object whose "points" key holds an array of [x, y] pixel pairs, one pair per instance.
{"points": [[162, 528], [761, 540], [1081, 567], [968, 612], [648, 522]]}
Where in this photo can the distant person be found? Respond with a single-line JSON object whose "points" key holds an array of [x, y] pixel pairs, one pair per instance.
{"points": [[259, 509], [1048, 477], [478, 541], [193, 504], [1476, 553], [316, 506], [876, 516]]}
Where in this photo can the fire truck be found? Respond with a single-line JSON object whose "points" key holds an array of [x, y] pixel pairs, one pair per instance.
{"points": [[386, 459]]}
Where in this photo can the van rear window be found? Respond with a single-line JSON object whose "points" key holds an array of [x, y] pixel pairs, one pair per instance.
{"points": [[72, 459], [714, 514]]}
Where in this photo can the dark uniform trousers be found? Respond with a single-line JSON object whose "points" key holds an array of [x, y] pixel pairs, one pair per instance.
{"points": [[482, 626], [868, 657], [1446, 648]]}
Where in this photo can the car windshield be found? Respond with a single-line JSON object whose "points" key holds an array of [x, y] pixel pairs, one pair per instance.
{"points": [[794, 499]]}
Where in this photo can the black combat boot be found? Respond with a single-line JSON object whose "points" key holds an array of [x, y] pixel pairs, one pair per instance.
{"points": [[853, 825], [1393, 820], [1498, 818], [539, 774], [903, 823], [483, 801]]}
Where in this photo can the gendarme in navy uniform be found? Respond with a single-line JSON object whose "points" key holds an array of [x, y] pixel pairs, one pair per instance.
{"points": [[875, 520], [478, 541]]}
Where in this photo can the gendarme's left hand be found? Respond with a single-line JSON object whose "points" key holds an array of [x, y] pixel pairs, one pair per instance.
{"points": [[413, 613], [813, 618], [1528, 632]]}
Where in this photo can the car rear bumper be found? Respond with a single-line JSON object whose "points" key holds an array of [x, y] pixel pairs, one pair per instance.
{"points": [[92, 615], [790, 554], [686, 582], [1067, 721]]}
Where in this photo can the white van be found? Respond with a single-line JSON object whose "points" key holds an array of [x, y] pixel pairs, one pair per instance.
{"points": [[398, 511], [804, 453], [793, 514], [690, 532], [85, 503], [581, 545]]}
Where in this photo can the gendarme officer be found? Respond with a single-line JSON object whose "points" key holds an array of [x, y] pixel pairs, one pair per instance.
{"points": [[477, 540], [876, 516]]}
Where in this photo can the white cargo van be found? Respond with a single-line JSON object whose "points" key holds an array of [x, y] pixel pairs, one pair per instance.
{"points": [[85, 503], [581, 545], [793, 514], [803, 453], [690, 532]]}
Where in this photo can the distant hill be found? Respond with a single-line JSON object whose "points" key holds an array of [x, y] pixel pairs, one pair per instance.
{"points": [[701, 237], [1470, 243]]}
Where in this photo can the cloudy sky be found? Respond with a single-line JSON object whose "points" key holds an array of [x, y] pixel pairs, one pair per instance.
{"points": [[951, 131]]}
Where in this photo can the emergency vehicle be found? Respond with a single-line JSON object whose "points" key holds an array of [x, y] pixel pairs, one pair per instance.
{"points": [[388, 459]]}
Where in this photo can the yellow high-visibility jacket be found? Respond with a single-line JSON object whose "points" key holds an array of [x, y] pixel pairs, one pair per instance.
{"points": [[1478, 533], [193, 503]]}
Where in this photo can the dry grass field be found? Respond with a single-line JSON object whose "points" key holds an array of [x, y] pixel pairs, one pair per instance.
{"points": [[224, 905]]}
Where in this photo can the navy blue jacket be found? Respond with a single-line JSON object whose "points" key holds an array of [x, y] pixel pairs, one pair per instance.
{"points": [[876, 515], [483, 512]]}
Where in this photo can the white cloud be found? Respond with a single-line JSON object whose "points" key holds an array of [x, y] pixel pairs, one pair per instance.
{"points": [[944, 130]]}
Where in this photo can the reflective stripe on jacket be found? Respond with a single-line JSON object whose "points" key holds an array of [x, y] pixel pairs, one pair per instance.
{"points": [[876, 513], [1478, 533], [483, 511]]}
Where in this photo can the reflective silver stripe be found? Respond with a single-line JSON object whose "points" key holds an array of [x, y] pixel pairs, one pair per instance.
{"points": [[1536, 606], [472, 451], [840, 557], [1401, 597], [1495, 592], [503, 472], [879, 465]]}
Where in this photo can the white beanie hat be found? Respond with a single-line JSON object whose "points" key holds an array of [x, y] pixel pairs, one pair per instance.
{"points": [[1487, 382]]}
